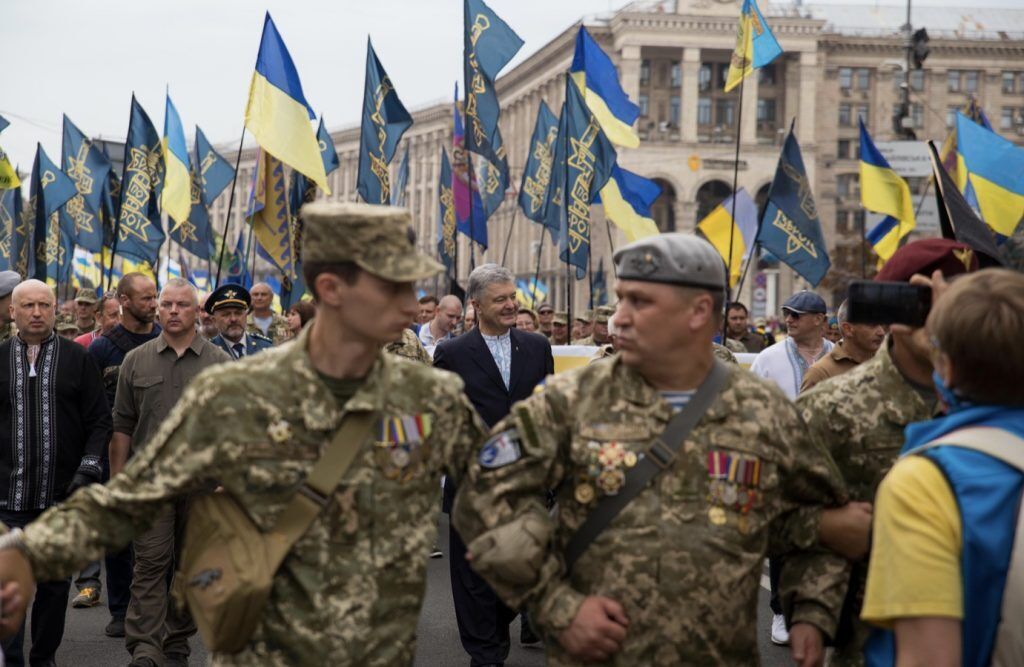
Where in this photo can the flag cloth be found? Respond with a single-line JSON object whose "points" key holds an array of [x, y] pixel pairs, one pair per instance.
{"points": [[957, 219], [470, 217], [268, 213], [723, 231], [195, 233], [176, 199], [533, 189], [401, 180], [51, 189], [599, 287], [627, 199], [554, 202], [88, 167], [995, 169], [86, 269], [588, 166], [755, 45], [23, 219], [530, 294], [215, 173], [3, 123], [488, 45], [139, 233], [110, 207], [277, 113], [10, 219], [385, 120], [790, 229], [328, 153], [950, 157], [493, 178], [446, 215], [143, 267], [8, 174], [596, 76], [882, 190]]}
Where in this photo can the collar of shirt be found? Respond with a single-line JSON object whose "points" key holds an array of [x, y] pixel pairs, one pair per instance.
{"points": [[196, 345]]}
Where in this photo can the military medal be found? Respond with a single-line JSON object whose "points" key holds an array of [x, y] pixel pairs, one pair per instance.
{"points": [[611, 480], [629, 460], [400, 457], [611, 455], [743, 525], [716, 515], [729, 494], [584, 493]]}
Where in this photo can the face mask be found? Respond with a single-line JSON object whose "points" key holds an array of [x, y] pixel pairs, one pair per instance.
{"points": [[952, 400]]}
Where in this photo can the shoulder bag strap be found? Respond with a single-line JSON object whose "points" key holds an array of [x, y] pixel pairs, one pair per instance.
{"points": [[659, 457], [996, 442], [315, 493]]}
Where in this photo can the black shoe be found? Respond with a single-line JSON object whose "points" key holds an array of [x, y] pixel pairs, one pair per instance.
{"points": [[175, 660], [526, 634], [143, 662], [115, 628]]}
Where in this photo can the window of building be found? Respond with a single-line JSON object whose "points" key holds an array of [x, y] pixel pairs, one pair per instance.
{"points": [[766, 76], [674, 110], [857, 219], [723, 74], [766, 111], [971, 81], [724, 112], [863, 111], [951, 116], [863, 78], [645, 72], [917, 115], [1009, 82], [844, 115], [704, 77], [843, 222], [677, 75], [845, 78], [1006, 120], [704, 111], [843, 150], [847, 186], [917, 80], [663, 68], [644, 105], [953, 80]]}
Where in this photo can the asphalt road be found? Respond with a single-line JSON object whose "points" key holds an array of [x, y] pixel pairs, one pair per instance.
{"points": [[85, 645]]}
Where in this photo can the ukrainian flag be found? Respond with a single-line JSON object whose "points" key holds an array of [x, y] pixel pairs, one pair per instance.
{"points": [[735, 235], [8, 175], [597, 77], [278, 114], [530, 294], [995, 168], [176, 198], [882, 190], [755, 45], [627, 199]]}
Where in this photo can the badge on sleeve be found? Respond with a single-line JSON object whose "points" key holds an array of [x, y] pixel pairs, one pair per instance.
{"points": [[501, 450]]}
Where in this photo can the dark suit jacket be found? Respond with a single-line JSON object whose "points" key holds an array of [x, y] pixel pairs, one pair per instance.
{"points": [[468, 357], [253, 343]]}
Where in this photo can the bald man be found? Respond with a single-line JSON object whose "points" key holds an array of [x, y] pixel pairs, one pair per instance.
{"points": [[54, 425], [262, 318], [449, 311]]}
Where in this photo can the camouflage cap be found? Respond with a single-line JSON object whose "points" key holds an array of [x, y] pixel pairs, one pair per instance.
{"points": [[86, 295], [675, 258], [378, 239], [586, 316], [561, 317], [66, 323], [603, 314]]}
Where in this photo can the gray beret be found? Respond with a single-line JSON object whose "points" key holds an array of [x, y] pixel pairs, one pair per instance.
{"points": [[8, 281], [676, 258]]}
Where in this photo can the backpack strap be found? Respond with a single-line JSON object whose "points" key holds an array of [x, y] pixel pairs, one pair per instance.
{"points": [[995, 442]]}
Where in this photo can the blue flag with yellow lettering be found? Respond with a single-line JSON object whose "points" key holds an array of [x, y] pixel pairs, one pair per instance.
{"points": [[446, 214], [51, 189], [10, 219], [790, 229], [554, 208], [328, 153], [139, 234], [111, 207], [87, 166], [533, 189], [589, 159], [385, 120], [194, 233], [492, 179], [215, 173]]}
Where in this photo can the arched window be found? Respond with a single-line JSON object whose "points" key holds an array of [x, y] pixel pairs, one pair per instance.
{"points": [[663, 211], [710, 195]]}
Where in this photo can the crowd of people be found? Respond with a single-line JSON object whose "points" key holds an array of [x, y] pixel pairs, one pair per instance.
{"points": [[624, 509]]}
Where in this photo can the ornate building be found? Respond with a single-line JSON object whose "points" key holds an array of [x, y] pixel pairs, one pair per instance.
{"points": [[839, 62]]}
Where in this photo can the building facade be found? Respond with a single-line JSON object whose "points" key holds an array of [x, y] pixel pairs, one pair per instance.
{"points": [[839, 63]]}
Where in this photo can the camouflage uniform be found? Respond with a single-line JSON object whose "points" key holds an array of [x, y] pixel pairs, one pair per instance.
{"points": [[683, 560], [410, 347], [277, 331], [724, 353], [859, 417], [7, 331], [735, 346]]}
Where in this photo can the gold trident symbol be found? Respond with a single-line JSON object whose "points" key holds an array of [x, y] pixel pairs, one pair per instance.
{"points": [[48, 177]]}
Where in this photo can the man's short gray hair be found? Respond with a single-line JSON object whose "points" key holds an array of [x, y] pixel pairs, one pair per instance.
{"points": [[178, 283], [484, 275]]}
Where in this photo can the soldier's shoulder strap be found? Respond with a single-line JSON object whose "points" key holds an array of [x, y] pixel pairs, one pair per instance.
{"points": [[659, 457], [119, 337]]}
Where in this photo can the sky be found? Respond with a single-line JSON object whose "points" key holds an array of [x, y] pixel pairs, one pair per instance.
{"points": [[85, 58]]}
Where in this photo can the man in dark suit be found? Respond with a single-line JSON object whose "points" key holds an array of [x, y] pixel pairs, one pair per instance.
{"points": [[229, 304], [499, 366]]}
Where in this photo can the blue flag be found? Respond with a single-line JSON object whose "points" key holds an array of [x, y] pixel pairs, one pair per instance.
{"points": [[492, 179], [327, 151], [789, 228], [10, 220], [554, 200], [488, 45], [3, 123], [470, 216], [51, 189], [533, 189], [385, 120], [88, 167], [599, 287], [238, 262], [111, 207], [215, 173], [401, 180], [139, 234], [194, 234], [589, 159], [446, 214]]}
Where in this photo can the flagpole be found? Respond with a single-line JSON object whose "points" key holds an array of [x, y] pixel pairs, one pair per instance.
{"points": [[227, 218], [472, 232], [735, 182], [590, 271], [611, 245], [565, 216], [540, 253], [508, 239], [743, 274]]}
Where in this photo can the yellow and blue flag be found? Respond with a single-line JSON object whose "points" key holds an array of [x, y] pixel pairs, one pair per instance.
{"points": [[596, 76], [139, 233], [446, 218], [589, 159], [882, 190], [176, 198], [277, 113], [88, 167], [51, 189], [627, 200], [530, 294], [8, 174], [727, 233], [533, 189], [385, 120], [10, 219], [995, 169], [215, 173], [790, 228], [957, 219], [755, 45], [268, 213]]}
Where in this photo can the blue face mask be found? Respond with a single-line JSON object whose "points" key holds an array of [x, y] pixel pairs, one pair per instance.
{"points": [[952, 400]]}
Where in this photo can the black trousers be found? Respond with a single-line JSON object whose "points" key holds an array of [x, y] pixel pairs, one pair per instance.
{"points": [[119, 571], [774, 572], [48, 610]]}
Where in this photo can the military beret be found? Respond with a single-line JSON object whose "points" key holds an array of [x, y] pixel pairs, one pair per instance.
{"points": [[927, 255], [675, 258], [561, 317], [378, 239], [228, 295], [603, 314], [8, 281], [805, 301], [86, 295]]}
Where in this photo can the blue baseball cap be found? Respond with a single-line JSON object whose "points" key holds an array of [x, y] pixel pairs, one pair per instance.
{"points": [[805, 302]]}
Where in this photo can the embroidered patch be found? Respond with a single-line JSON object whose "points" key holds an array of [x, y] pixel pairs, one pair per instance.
{"points": [[501, 450]]}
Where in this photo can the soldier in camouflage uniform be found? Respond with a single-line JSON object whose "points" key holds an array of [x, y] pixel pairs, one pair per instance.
{"points": [[409, 347], [349, 592], [8, 281], [674, 579], [860, 416]]}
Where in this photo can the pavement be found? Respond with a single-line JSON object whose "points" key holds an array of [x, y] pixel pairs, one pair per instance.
{"points": [[438, 645]]}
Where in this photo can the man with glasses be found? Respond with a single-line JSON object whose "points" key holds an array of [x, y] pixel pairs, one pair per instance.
{"points": [[545, 315]]}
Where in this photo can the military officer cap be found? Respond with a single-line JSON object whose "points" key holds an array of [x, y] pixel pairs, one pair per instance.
{"points": [[378, 239], [8, 281], [675, 258], [561, 317], [603, 314], [86, 295], [228, 295], [927, 255], [804, 302]]}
